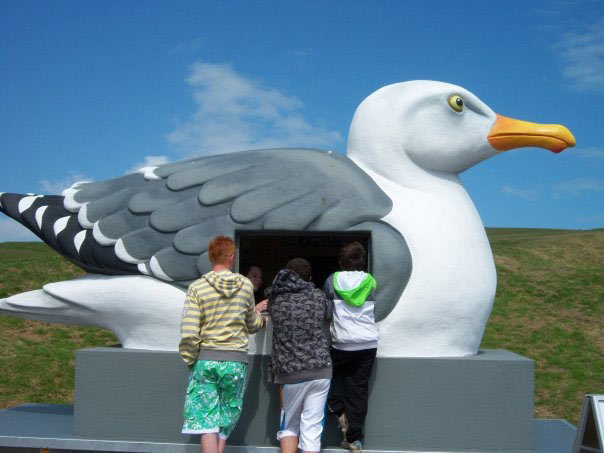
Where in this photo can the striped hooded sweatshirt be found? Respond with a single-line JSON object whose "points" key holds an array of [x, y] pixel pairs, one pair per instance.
{"points": [[353, 325], [218, 316]]}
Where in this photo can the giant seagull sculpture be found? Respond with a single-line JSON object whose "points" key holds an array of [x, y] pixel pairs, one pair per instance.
{"points": [[142, 237]]}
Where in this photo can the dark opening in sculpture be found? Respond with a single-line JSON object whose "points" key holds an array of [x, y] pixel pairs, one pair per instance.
{"points": [[271, 250]]}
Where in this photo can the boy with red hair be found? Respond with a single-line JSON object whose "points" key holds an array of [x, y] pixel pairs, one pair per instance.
{"points": [[218, 316]]}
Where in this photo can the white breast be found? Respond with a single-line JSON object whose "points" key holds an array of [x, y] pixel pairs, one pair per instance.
{"points": [[446, 304]]}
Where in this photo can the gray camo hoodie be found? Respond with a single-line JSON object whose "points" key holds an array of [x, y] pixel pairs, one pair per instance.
{"points": [[298, 310]]}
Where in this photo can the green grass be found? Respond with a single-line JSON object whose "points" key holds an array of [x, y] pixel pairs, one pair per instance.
{"points": [[36, 358], [25, 266], [549, 307]]}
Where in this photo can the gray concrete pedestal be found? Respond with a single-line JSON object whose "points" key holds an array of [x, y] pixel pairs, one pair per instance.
{"points": [[478, 403]]}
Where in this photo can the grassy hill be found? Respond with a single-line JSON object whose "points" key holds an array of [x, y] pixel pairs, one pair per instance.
{"points": [[549, 307]]}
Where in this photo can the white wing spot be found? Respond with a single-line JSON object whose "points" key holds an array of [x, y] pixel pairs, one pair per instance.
{"points": [[60, 225], [98, 235], [69, 201], [142, 268], [40, 214], [83, 217], [79, 239], [149, 173], [121, 253], [26, 202], [158, 271]]}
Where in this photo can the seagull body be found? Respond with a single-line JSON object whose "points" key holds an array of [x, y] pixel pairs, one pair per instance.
{"points": [[446, 304], [408, 142], [444, 309]]}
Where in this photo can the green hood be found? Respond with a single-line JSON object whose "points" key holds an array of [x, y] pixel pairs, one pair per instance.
{"points": [[357, 295]]}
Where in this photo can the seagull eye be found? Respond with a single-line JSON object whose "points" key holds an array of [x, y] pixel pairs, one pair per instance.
{"points": [[456, 103]]}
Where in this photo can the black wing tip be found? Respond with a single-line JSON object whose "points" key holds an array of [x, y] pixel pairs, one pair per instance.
{"points": [[9, 204], [101, 260]]}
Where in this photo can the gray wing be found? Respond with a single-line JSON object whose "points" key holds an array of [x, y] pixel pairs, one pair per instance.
{"points": [[256, 190], [159, 223]]}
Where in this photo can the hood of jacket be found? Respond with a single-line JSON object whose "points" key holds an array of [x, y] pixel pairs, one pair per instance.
{"points": [[353, 287], [287, 281], [225, 282]]}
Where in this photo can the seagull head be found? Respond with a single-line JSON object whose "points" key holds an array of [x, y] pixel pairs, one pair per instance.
{"points": [[438, 127]]}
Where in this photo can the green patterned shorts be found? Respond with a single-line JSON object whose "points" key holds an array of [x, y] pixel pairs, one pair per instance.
{"points": [[214, 397]]}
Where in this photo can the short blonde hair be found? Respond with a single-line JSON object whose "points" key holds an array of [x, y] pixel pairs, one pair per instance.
{"points": [[220, 249]]}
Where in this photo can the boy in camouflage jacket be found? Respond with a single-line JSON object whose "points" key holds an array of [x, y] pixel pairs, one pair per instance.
{"points": [[300, 355]]}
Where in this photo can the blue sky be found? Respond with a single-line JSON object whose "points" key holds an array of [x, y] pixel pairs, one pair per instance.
{"points": [[91, 90]]}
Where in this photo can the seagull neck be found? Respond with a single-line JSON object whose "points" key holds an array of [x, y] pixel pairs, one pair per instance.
{"points": [[407, 174], [424, 201]]}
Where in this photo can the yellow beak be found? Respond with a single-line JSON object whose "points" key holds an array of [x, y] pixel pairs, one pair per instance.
{"points": [[508, 133]]}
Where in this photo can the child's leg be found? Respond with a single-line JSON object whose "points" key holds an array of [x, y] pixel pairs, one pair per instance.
{"points": [[335, 399], [313, 414], [231, 382], [209, 443], [221, 444], [202, 402], [356, 385], [289, 444], [289, 425]]}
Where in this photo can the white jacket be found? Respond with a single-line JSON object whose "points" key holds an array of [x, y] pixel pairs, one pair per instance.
{"points": [[353, 325]]}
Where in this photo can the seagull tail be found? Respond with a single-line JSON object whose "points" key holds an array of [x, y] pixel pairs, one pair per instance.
{"points": [[147, 318]]}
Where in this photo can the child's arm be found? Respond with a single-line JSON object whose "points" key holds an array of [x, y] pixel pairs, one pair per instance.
{"points": [[190, 328], [328, 300], [326, 303], [253, 320]]}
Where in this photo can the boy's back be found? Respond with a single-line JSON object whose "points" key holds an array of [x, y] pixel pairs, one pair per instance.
{"points": [[298, 311], [300, 356], [355, 337], [353, 295]]}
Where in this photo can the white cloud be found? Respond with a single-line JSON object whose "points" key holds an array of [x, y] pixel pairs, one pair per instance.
{"points": [[575, 187], [56, 187], [236, 113], [527, 194], [13, 231], [582, 55], [149, 161]]}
